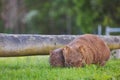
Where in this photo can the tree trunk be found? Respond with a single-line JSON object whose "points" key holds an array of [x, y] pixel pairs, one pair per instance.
{"points": [[24, 45], [13, 12]]}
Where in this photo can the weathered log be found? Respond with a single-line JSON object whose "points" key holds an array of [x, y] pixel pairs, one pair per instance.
{"points": [[31, 44]]}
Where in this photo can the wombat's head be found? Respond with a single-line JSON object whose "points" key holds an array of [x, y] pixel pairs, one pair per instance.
{"points": [[57, 58], [73, 56]]}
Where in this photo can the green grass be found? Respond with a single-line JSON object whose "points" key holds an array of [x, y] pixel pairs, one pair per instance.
{"points": [[38, 68]]}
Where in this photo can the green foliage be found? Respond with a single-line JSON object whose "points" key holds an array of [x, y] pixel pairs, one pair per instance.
{"points": [[71, 16], [38, 68], [85, 14]]}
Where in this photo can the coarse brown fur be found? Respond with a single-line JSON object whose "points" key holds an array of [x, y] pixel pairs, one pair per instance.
{"points": [[56, 58], [86, 49]]}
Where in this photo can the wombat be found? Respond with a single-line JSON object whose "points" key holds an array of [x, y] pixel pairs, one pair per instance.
{"points": [[86, 49]]}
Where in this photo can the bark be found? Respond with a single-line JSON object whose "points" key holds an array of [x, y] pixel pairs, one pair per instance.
{"points": [[30, 44]]}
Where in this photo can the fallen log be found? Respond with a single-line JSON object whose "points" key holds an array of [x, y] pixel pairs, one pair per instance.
{"points": [[31, 44]]}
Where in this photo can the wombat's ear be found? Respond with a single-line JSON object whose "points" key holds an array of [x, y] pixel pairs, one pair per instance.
{"points": [[82, 49], [66, 48], [50, 52]]}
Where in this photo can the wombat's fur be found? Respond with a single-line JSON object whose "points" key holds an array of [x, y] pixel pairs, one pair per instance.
{"points": [[56, 58], [86, 49]]}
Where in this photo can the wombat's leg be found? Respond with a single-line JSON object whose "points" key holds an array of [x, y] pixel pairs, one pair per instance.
{"points": [[103, 63]]}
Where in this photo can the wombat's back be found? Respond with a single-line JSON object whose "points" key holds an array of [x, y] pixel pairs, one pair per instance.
{"points": [[100, 50], [100, 47], [95, 49]]}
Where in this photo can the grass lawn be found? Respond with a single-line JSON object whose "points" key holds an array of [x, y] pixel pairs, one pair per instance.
{"points": [[38, 68]]}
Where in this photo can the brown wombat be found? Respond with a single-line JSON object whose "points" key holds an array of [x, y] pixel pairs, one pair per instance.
{"points": [[86, 49]]}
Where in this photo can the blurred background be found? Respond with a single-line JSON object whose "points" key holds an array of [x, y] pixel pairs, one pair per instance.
{"points": [[58, 16]]}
